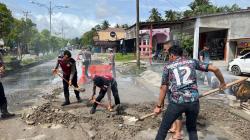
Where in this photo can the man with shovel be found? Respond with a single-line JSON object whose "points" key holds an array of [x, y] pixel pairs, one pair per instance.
{"points": [[105, 83], [3, 100], [179, 81], [68, 66]]}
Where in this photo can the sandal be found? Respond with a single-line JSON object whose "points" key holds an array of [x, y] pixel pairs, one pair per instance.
{"points": [[171, 131], [176, 138]]}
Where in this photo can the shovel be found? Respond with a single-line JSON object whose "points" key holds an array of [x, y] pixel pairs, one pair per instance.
{"points": [[75, 88], [132, 120], [101, 104]]}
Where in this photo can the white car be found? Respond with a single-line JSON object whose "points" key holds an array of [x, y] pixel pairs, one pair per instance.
{"points": [[240, 65]]}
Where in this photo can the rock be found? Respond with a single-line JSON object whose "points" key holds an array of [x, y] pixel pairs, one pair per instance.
{"points": [[120, 125], [30, 122], [28, 115], [91, 134], [72, 126]]}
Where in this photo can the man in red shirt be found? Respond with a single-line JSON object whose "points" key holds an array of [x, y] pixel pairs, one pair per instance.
{"points": [[68, 66]]}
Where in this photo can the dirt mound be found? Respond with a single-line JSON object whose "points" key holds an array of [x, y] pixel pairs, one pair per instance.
{"points": [[220, 114], [54, 94], [47, 114]]}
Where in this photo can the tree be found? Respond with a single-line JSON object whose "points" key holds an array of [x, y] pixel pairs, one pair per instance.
{"points": [[44, 41], [87, 38], [6, 21], [98, 27], [105, 25], [125, 26], [155, 16], [171, 15], [200, 7], [117, 26]]}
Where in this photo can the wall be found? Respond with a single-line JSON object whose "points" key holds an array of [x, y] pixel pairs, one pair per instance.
{"points": [[105, 36], [238, 24]]}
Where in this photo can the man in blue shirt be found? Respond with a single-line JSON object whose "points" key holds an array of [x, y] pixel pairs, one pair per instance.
{"points": [[204, 57], [179, 81]]}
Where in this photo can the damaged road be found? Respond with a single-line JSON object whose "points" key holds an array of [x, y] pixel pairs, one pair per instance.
{"points": [[42, 118]]}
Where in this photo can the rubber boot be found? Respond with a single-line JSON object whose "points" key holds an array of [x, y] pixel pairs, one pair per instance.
{"points": [[5, 112]]}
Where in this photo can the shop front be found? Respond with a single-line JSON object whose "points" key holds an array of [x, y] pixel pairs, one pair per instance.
{"points": [[243, 47]]}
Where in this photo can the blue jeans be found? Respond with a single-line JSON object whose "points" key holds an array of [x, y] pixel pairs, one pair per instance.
{"points": [[173, 111]]}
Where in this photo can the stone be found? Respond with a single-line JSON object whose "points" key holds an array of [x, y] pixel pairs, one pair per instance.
{"points": [[30, 122], [28, 115]]}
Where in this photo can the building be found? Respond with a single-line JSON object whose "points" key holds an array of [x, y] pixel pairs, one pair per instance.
{"points": [[152, 35], [109, 38], [227, 34]]}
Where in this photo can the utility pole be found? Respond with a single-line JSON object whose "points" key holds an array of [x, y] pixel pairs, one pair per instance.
{"points": [[50, 14], [50, 9], [137, 34], [62, 32], [25, 13]]}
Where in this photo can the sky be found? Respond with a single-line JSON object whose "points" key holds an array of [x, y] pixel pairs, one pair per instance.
{"points": [[82, 15]]}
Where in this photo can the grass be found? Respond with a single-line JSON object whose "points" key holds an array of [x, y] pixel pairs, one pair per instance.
{"points": [[8, 58], [37, 59], [124, 58]]}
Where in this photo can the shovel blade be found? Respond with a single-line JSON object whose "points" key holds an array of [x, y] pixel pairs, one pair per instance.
{"points": [[129, 120]]}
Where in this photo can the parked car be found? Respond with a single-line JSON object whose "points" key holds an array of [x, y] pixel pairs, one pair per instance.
{"points": [[244, 51], [240, 65]]}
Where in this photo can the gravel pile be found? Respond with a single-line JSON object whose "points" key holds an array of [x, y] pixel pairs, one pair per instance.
{"points": [[47, 114]]}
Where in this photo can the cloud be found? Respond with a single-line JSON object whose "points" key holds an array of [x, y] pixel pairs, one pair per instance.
{"points": [[73, 25]]}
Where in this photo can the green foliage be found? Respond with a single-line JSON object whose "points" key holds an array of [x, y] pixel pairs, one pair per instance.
{"points": [[6, 20], [122, 58], [197, 8], [87, 38], [187, 43], [155, 15], [171, 15], [105, 25], [125, 26]]}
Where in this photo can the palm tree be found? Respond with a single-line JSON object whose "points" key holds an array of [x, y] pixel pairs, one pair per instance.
{"points": [[98, 27], [105, 24], [117, 26], [125, 26], [171, 15], [155, 16]]}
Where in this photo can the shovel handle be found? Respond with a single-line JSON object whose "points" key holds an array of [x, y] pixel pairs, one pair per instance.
{"points": [[101, 104], [203, 95], [75, 88], [227, 86], [148, 115]]}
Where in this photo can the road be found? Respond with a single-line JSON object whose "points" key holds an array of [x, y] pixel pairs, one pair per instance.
{"points": [[24, 90]]}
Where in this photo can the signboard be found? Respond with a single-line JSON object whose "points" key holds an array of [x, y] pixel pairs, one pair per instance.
{"points": [[112, 34], [244, 44]]}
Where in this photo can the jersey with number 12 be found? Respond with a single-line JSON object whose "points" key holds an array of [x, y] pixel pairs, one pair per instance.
{"points": [[180, 77]]}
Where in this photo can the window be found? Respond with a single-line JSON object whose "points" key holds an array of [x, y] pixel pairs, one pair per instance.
{"points": [[247, 56]]}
